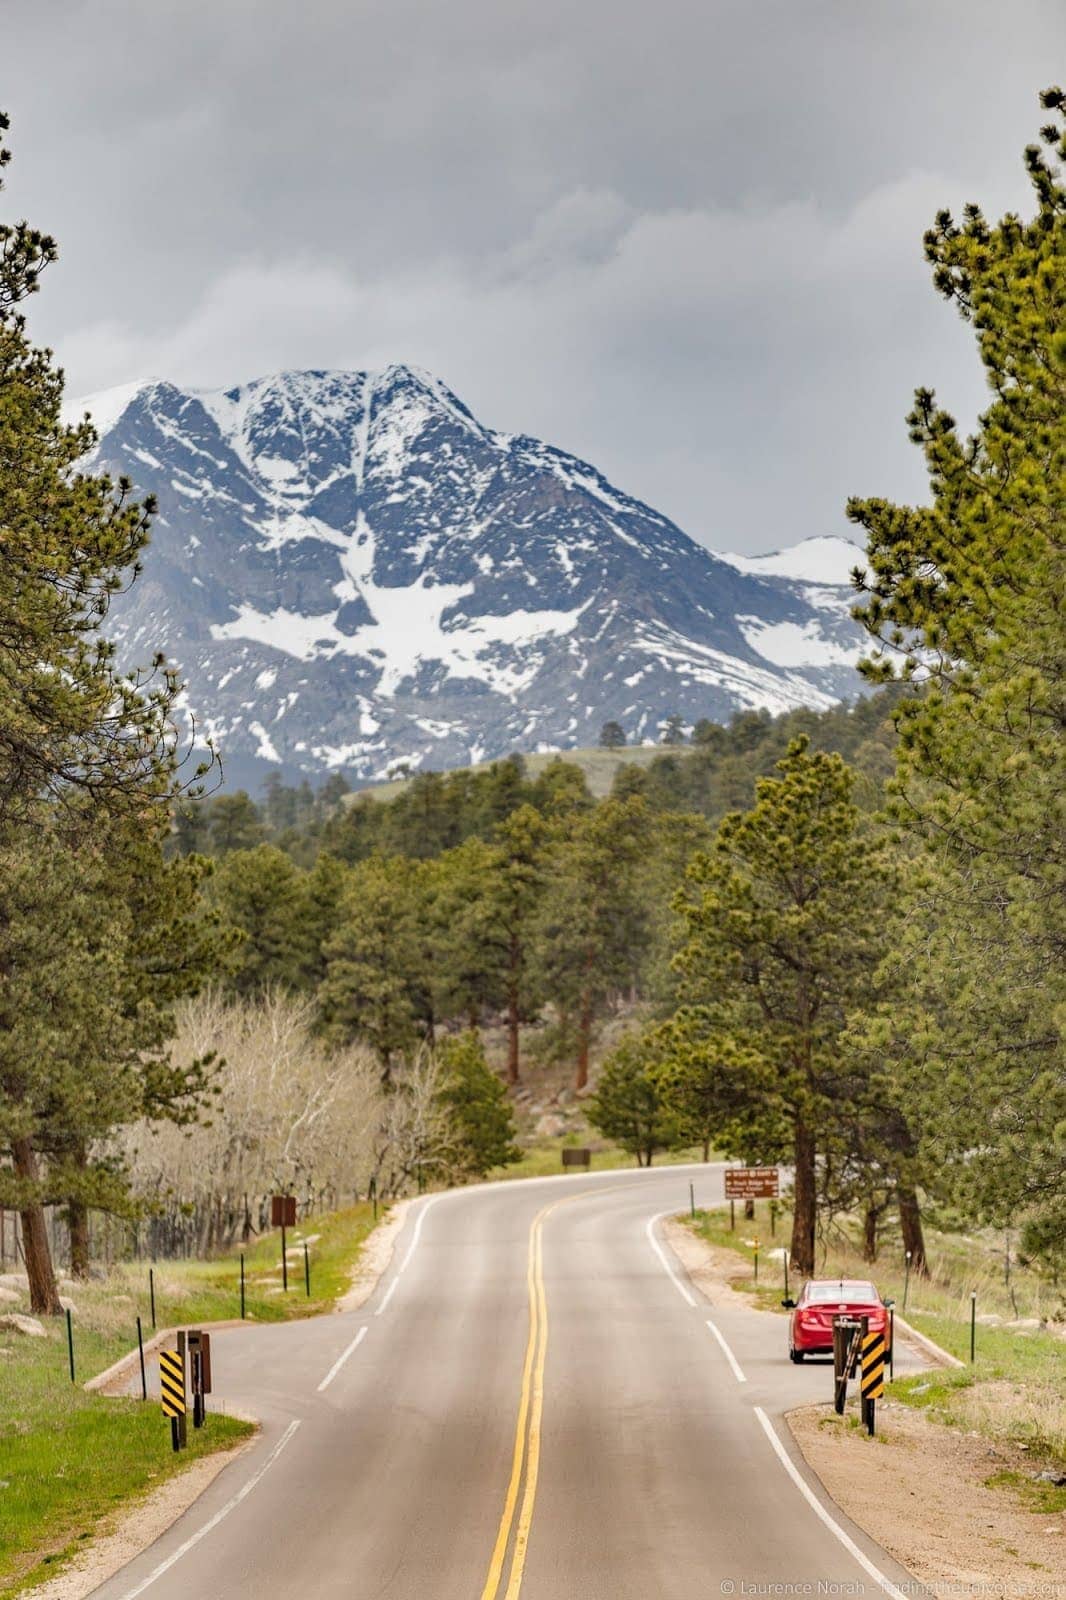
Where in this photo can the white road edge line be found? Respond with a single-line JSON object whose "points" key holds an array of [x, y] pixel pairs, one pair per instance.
{"points": [[885, 1584], [341, 1359], [411, 1248], [389, 1292], [661, 1253], [231, 1505], [730, 1357]]}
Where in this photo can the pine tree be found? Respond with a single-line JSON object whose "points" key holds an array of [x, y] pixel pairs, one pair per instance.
{"points": [[628, 1105], [235, 823], [594, 927], [264, 897], [376, 960], [965, 596], [70, 722], [783, 942], [478, 1107], [612, 736], [84, 749]]}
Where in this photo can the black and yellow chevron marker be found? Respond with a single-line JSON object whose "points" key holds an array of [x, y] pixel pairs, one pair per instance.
{"points": [[872, 1386], [172, 1382]]}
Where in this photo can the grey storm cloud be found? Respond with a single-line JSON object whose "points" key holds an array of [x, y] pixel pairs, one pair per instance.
{"points": [[682, 239]]}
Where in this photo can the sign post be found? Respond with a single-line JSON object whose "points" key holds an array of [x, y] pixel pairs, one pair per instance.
{"points": [[283, 1215], [872, 1384], [848, 1333], [200, 1374], [172, 1391]]}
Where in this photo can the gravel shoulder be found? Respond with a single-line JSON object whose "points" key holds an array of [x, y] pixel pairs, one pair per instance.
{"points": [[136, 1527], [922, 1491]]}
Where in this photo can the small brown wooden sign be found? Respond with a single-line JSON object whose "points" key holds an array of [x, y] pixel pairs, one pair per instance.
{"points": [[283, 1211], [575, 1156], [751, 1183]]}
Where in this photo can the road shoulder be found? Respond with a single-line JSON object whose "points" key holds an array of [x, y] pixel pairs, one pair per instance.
{"points": [[135, 1527], [923, 1492]]}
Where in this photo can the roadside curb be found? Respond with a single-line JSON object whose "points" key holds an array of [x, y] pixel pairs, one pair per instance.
{"points": [[939, 1356], [128, 1363]]}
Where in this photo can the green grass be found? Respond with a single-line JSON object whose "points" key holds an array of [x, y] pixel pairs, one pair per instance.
{"points": [[1045, 1499], [713, 1226], [209, 1291], [69, 1459]]}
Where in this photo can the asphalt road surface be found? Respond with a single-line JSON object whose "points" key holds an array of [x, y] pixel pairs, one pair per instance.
{"points": [[535, 1402]]}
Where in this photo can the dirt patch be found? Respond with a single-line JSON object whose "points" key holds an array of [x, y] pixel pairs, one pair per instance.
{"points": [[921, 1490], [142, 1523], [712, 1269], [374, 1258]]}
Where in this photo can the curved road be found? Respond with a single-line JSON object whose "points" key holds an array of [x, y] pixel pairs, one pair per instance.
{"points": [[535, 1402]]}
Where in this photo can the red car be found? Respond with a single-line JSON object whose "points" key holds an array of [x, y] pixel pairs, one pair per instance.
{"points": [[810, 1327]]}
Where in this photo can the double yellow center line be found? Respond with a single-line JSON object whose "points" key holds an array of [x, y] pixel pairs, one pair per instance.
{"points": [[526, 1457]]}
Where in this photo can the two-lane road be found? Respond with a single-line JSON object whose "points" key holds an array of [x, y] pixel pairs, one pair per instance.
{"points": [[535, 1402]]}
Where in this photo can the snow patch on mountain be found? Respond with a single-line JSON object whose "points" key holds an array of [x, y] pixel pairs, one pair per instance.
{"points": [[790, 644], [824, 559]]}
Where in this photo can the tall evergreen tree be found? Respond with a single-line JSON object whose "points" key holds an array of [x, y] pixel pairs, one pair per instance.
{"points": [[83, 748], [594, 924], [478, 1107], [783, 939], [965, 596]]}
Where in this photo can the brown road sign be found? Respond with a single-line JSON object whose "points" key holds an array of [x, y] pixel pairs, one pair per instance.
{"points": [[576, 1157], [283, 1211], [751, 1183], [172, 1382]]}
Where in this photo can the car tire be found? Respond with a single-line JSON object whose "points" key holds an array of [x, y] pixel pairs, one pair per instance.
{"points": [[795, 1356]]}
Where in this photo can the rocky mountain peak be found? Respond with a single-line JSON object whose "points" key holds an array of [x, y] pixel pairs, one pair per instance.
{"points": [[352, 571]]}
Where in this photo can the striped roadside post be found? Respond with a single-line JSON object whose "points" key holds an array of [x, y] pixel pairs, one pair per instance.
{"points": [[172, 1392], [872, 1384]]}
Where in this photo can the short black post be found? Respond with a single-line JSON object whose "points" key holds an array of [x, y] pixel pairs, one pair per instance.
{"points": [[307, 1270], [784, 1260], [70, 1345], [773, 1218], [891, 1343], [140, 1347], [374, 1196], [906, 1279], [175, 1434], [284, 1262], [840, 1365], [692, 1199], [732, 1215], [151, 1293], [242, 1285], [973, 1326], [756, 1263]]}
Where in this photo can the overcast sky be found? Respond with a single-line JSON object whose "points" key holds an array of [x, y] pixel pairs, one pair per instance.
{"points": [[681, 238]]}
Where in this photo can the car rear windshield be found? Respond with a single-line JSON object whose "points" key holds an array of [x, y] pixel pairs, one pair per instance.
{"points": [[821, 1293]]}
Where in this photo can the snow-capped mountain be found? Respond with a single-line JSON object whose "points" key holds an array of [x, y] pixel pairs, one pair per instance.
{"points": [[353, 572]]}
